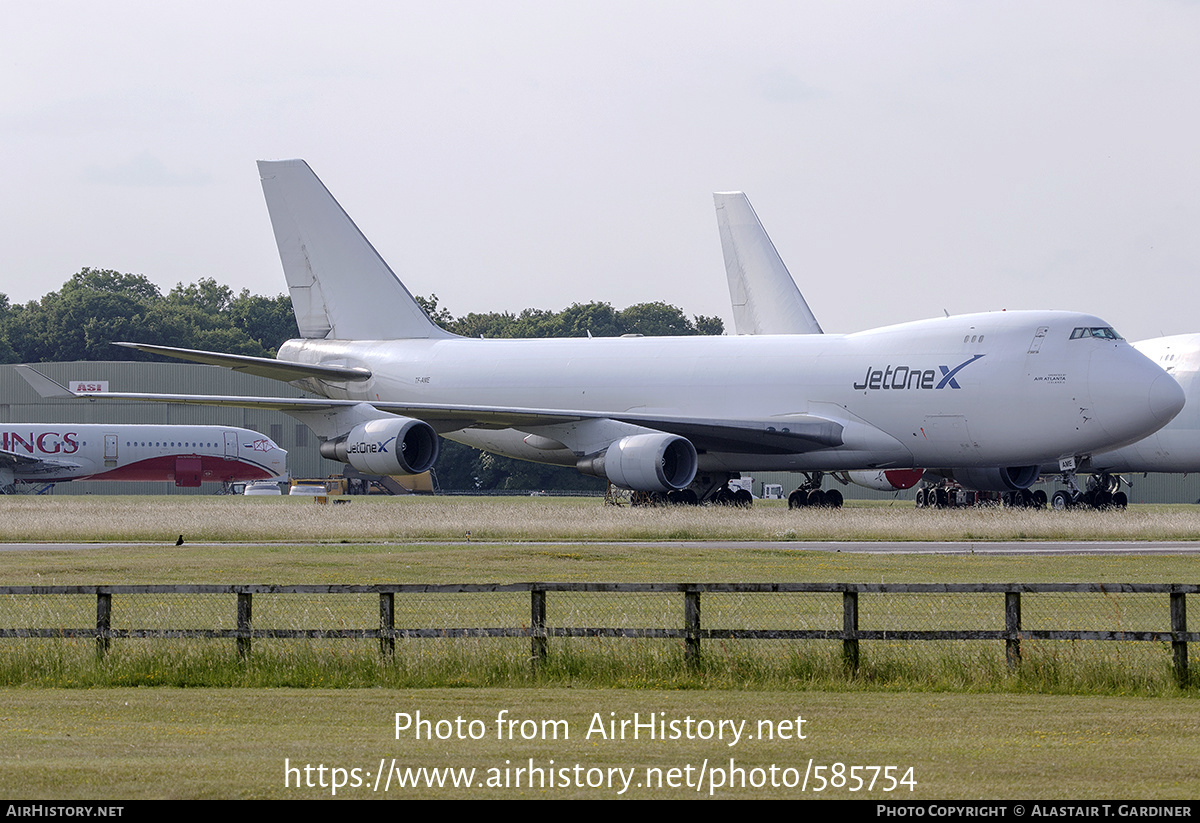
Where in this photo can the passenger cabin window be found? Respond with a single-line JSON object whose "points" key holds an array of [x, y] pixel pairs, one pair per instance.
{"points": [[1101, 332]]}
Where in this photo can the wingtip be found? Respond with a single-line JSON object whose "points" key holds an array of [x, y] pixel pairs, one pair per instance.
{"points": [[43, 385]]}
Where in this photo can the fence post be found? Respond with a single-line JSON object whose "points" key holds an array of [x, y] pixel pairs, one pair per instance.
{"points": [[537, 627], [691, 627], [850, 630], [243, 624], [103, 622], [1179, 629], [1012, 626], [387, 624]]}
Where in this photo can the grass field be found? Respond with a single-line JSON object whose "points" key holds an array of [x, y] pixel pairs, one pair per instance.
{"points": [[1112, 728]]}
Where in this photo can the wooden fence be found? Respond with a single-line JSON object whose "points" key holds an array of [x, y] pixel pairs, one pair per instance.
{"points": [[690, 629]]}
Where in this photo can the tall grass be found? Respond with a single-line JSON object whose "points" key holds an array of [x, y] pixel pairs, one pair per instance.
{"points": [[240, 520], [1093, 668]]}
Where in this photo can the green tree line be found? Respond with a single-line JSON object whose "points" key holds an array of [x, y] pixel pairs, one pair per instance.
{"points": [[98, 307], [578, 320]]}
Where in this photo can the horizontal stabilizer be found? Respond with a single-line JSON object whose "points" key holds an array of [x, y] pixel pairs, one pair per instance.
{"points": [[260, 366]]}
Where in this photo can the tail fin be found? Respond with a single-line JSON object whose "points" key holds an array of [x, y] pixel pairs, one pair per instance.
{"points": [[764, 295], [341, 288]]}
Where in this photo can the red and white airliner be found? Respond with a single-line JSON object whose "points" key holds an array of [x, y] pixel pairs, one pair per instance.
{"points": [[188, 455]]}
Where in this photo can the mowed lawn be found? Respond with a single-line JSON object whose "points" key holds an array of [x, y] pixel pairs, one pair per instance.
{"points": [[236, 743]]}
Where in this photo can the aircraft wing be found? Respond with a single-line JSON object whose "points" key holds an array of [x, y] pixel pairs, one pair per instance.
{"points": [[26, 463], [794, 434], [13, 460], [260, 366]]}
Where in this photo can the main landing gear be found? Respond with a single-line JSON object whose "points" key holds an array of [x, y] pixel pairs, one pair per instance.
{"points": [[809, 494], [952, 496], [712, 489]]}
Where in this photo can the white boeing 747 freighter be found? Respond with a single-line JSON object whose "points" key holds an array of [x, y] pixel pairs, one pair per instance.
{"points": [[989, 393]]}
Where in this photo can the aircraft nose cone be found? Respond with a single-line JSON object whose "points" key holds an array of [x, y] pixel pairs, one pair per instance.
{"points": [[1166, 398], [1131, 396]]}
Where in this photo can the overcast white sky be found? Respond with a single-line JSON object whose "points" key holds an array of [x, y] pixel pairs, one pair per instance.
{"points": [[906, 157]]}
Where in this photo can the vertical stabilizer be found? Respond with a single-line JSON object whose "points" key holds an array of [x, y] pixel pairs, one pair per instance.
{"points": [[764, 295], [340, 287]]}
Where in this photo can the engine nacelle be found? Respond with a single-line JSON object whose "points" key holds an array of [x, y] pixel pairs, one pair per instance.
{"points": [[645, 462], [393, 445], [887, 480], [998, 479]]}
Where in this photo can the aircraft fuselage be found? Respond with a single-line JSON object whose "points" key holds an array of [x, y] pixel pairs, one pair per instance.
{"points": [[1003, 388], [187, 455]]}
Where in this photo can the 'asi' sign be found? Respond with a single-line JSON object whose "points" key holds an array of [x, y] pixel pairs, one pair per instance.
{"points": [[89, 385]]}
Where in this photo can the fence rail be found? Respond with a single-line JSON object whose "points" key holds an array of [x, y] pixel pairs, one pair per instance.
{"points": [[690, 628]]}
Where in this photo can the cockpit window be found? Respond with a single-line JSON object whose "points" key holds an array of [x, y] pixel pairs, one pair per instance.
{"points": [[1101, 332]]}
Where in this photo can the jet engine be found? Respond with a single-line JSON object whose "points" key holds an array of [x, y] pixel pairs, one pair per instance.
{"points": [[998, 479], [887, 480], [392, 445], [645, 462]]}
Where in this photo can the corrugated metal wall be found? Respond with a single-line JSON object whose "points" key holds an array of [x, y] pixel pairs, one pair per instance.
{"points": [[21, 404]]}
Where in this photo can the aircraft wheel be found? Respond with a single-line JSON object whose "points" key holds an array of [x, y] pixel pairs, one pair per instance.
{"points": [[689, 497], [798, 499], [938, 498], [921, 502], [1061, 500], [1120, 500], [1039, 499], [816, 498], [833, 499], [743, 498], [1102, 500]]}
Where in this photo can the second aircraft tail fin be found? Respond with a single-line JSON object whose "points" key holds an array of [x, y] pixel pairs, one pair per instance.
{"points": [[340, 287]]}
